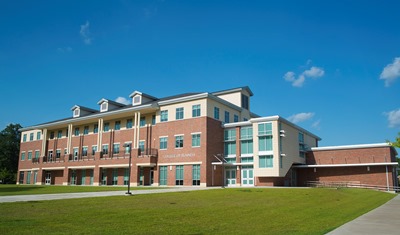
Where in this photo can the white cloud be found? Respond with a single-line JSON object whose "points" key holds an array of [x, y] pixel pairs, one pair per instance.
{"points": [[316, 125], [313, 72], [391, 72], [85, 33], [300, 117], [122, 100], [393, 118]]}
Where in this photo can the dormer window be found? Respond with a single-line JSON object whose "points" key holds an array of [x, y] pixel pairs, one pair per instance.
{"points": [[104, 107], [76, 113], [137, 99]]}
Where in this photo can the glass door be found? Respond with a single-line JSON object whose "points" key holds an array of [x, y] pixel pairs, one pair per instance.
{"points": [[48, 178], [247, 177], [230, 177]]}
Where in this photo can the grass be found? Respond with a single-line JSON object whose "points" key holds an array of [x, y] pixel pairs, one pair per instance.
{"points": [[227, 211], [12, 189]]}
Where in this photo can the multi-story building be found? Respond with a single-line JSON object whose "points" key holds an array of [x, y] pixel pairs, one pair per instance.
{"points": [[204, 139]]}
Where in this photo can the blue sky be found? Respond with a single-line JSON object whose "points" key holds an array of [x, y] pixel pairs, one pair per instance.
{"points": [[332, 67]]}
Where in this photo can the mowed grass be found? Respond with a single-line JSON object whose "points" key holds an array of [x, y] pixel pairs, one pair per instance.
{"points": [[12, 189], [216, 211]]}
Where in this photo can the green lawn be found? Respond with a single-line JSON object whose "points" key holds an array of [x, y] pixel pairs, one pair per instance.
{"points": [[219, 211], [12, 189]]}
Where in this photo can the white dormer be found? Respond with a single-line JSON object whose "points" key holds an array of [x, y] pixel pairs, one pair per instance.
{"points": [[79, 111], [107, 105], [139, 98]]}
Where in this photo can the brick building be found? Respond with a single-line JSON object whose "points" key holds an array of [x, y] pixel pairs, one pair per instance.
{"points": [[200, 139]]}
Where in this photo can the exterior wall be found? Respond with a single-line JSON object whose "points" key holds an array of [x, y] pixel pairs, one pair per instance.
{"points": [[222, 108], [187, 109]]}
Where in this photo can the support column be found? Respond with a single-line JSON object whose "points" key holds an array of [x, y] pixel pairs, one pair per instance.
{"points": [[66, 176], [100, 134], [69, 140], [44, 141], [138, 130], [134, 131], [96, 176]]}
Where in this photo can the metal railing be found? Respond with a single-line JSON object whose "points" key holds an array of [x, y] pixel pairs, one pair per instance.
{"points": [[150, 152], [51, 159], [350, 184], [73, 158], [35, 160]]}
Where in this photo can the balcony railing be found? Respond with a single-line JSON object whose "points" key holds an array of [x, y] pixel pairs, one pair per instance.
{"points": [[35, 160], [75, 158], [50, 159], [150, 152]]}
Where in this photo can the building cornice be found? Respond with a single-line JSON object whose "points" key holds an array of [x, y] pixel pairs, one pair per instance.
{"points": [[357, 146], [347, 165]]}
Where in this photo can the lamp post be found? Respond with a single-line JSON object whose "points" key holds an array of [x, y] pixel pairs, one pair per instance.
{"points": [[129, 166]]}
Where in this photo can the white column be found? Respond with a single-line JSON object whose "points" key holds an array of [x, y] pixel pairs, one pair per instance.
{"points": [[100, 134], [44, 141], [69, 140], [138, 130]]}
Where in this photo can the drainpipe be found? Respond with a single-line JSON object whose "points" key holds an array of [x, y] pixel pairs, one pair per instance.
{"points": [[387, 178]]}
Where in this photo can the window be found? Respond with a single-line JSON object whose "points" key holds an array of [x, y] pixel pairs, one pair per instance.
{"points": [[164, 116], [163, 142], [73, 177], [127, 148], [115, 176], [230, 135], [246, 140], [65, 151], [104, 106], [94, 149], [179, 113], [24, 138], [196, 110], [235, 118], [245, 102], [265, 161], [28, 177], [59, 134], [265, 129], [117, 125], [52, 135], [141, 145], [129, 123], [126, 176], [136, 99], [179, 175], [230, 142], [196, 174], [50, 155], [58, 153], [246, 159], [76, 131], [76, 113], [37, 154], [142, 122], [105, 149], [280, 162], [83, 177], [66, 132], [76, 154], [163, 175], [86, 130], [196, 140], [265, 137], [179, 141], [302, 146], [106, 127], [96, 128], [38, 135], [153, 120], [29, 155], [116, 149], [226, 117], [84, 151], [21, 177], [216, 113], [31, 137]]}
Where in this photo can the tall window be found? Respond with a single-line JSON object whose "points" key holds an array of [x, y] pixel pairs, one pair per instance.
{"points": [[84, 151], [116, 149], [24, 138], [179, 141], [196, 174], [129, 123], [226, 118], [73, 177], [76, 131], [31, 137], [265, 137], [246, 140], [28, 177], [196, 110], [23, 156], [83, 177], [59, 134], [245, 102], [163, 142], [115, 176], [164, 116], [38, 135], [86, 130], [94, 150], [216, 113], [52, 135], [37, 154], [153, 120], [302, 146], [196, 140], [179, 113], [29, 155], [96, 128], [105, 149], [106, 127], [230, 145], [163, 175], [141, 145], [142, 122], [58, 153], [235, 118], [126, 176], [179, 175], [117, 125], [265, 161]]}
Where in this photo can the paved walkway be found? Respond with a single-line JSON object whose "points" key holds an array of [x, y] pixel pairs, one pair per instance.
{"points": [[43, 197], [383, 220]]}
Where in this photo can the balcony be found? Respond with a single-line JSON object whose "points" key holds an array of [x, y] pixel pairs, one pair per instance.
{"points": [[52, 159], [76, 158], [35, 160], [147, 157], [148, 152]]}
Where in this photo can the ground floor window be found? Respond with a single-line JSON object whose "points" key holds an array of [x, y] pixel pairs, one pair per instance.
{"points": [[83, 177], [104, 177], [163, 175], [196, 174], [115, 177], [91, 177], [73, 177], [28, 177], [35, 173], [126, 176], [179, 175], [266, 161], [21, 177]]}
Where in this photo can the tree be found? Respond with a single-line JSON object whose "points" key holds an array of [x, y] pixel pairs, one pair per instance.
{"points": [[396, 143], [9, 153]]}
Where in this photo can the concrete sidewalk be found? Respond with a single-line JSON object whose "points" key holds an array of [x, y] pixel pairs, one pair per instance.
{"points": [[382, 220], [43, 197]]}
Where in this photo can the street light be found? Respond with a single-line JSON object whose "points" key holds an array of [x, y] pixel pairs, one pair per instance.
{"points": [[128, 145]]}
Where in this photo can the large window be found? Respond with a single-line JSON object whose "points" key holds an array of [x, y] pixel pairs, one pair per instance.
{"points": [[179, 114], [84, 151], [28, 177], [29, 155], [153, 120], [164, 116], [59, 134], [230, 143], [86, 130], [105, 149], [83, 177], [216, 113], [196, 110], [129, 123], [246, 140], [265, 137], [196, 174], [163, 142], [142, 122], [117, 125], [77, 131], [38, 135], [179, 175], [265, 161], [179, 141], [265, 129], [37, 154], [115, 176], [116, 149], [226, 118], [163, 175], [245, 102], [24, 138], [195, 140], [302, 146], [96, 128], [106, 127], [31, 137]]}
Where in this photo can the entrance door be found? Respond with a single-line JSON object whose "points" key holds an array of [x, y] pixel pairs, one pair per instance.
{"points": [[247, 177], [48, 178], [151, 177], [230, 177]]}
